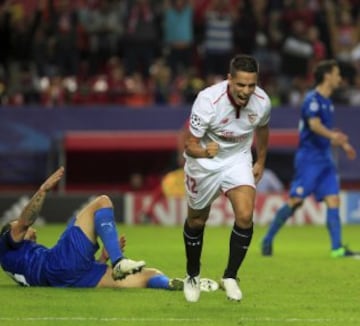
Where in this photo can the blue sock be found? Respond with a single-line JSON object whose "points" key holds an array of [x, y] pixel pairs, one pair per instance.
{"points": [[279, 220], [106, 229], [158, 282], [334, 227]]}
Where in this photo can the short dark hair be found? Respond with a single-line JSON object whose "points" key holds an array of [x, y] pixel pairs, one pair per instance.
{"points": [[243, 62], [322, 68]]}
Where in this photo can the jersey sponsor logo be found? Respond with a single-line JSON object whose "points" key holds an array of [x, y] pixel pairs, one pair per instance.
{"points": [[229, 136]]}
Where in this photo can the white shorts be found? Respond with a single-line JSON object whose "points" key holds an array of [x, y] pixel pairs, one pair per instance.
{"points": [[204, 186]]}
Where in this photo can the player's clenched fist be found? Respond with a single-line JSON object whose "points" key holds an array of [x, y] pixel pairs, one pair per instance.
{"points": [[212, 149]]}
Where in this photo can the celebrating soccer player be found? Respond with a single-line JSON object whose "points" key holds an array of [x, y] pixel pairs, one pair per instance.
{"points": [[223, 121]]}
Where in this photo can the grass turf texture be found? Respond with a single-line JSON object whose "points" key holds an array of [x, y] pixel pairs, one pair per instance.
{"points": [[299, 285]]}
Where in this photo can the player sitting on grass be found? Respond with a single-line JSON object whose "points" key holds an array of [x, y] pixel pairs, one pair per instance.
{"points": [[71, 262]]}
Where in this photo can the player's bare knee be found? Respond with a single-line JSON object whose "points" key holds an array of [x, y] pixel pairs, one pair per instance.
{"points": [[244, 220], [197, 218], [103, 201]]}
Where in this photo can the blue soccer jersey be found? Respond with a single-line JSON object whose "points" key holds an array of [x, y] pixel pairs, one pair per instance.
{"points": [[312, 144], [23, 261], [315, 170], [70, 263]]}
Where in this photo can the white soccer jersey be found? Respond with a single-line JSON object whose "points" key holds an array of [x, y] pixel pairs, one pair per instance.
{"points": [[215, 118]]}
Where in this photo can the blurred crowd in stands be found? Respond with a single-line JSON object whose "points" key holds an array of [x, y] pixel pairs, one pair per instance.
{"points": [[144, 52]]}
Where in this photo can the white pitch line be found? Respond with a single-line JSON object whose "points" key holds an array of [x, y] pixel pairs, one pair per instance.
{"points": [[300, 320], [102, 319], [329, 321]]}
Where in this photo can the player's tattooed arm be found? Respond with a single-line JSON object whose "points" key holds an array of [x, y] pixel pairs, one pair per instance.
{"points": [[31, 211]]}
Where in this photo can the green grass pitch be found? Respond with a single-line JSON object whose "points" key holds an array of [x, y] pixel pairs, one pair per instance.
{"points": [[299, 285]]}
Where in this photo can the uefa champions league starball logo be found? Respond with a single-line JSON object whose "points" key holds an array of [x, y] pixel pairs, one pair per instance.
{"points": [[195, 121]]}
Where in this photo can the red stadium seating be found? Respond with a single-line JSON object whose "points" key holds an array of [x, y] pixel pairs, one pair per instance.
{"points": [[107, 157]]}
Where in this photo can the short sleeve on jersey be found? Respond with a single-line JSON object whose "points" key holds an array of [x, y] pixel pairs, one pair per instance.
{"points": [[266, 117], [311, 108], [201, 115]]}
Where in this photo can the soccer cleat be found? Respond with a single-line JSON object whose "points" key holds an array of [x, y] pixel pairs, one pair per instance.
{"points": [[176, 284], [231, 287], [266, 248], [125, 267], [208, 285], [344, 252], [192, 288]]}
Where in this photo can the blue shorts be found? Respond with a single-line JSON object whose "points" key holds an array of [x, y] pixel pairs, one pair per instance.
{"points": [[71, 262], [318, 178]]}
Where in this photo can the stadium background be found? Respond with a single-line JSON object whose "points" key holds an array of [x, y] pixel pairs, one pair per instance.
{"points": [[123, 143], [33, 142]]}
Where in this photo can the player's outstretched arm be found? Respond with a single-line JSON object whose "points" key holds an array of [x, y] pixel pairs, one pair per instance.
{"points": [[349, 151], [337, 137], [32, 209]]}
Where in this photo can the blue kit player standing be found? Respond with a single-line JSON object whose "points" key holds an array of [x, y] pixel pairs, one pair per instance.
{"points": [[315, 170]]}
